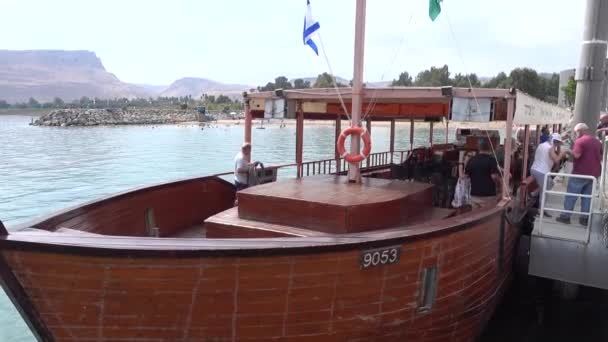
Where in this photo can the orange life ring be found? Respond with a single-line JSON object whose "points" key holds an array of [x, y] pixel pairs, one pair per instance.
{"points": [[366, 141]]}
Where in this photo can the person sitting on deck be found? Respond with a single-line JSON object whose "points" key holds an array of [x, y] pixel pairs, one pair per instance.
{"points": [[587, 154], [547, 155], [241, 167], [482, 169]]}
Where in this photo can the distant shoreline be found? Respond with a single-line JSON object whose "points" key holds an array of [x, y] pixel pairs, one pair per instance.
{"points": [[25, 111]]}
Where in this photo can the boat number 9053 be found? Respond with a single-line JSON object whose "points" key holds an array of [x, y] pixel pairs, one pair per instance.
{"points": [[380, 256]]}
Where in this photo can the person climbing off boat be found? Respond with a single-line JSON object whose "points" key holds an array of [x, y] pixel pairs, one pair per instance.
{"points": [[546, 156]]}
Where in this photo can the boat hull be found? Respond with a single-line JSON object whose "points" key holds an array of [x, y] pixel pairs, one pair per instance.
{"points": [[316, 293]]}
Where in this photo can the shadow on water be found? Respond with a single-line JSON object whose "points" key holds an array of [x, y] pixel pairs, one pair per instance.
{"points": [[533, 311]]}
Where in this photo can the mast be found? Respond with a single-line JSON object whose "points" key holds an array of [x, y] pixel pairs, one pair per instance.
{"points": [[591, 72], [354, 174]]}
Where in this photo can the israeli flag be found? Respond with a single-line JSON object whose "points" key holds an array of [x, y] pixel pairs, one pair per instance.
{"points": [[310, 28]]}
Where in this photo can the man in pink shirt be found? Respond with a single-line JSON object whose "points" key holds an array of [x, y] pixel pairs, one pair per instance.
{"points": [[587, 154]]}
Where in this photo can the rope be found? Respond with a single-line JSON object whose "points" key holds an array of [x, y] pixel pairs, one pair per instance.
{"points": [[500, 170], [333, 78]]}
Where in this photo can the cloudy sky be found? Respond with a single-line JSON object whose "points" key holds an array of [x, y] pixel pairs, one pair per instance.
{"points": [[251, 42]]}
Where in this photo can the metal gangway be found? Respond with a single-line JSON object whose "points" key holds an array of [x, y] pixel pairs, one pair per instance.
{"points": [[572, 253]]}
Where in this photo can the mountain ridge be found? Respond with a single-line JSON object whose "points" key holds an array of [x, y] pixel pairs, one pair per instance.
{"points": [[45, 74]]}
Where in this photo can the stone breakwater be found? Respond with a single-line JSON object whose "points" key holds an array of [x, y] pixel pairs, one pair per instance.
{"points": [[96, 117]]}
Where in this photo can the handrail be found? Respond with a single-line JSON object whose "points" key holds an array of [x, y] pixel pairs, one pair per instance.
{"points": [[553, 192], [603, 174]]}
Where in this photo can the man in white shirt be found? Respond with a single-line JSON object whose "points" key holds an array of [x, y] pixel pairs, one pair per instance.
{"points": [[547, 155], [241, 167]]}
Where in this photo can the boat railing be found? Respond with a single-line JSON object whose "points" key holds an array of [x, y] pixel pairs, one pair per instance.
{"points": [[330, 166], [546, 205]]}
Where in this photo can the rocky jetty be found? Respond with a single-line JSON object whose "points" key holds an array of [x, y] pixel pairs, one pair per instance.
{"points": [[96, 117]]}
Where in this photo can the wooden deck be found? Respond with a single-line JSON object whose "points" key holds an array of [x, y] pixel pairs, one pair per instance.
{"points": [[194, 232]]}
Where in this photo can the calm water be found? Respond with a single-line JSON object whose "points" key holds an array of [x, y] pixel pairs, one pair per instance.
{"points": [[43, 169]]}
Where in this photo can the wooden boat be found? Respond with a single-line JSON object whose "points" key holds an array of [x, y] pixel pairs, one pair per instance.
{"points": [[313, 258], [307, 258]]}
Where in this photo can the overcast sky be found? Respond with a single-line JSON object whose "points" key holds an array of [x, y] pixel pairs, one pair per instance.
{"points": [[251, 42]]}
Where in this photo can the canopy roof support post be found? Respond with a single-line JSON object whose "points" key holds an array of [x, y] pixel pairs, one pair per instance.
{"points": [[447, 131], [524, 171], [538, 128], [248, 125], [508, 148], [368, 127], [431, 134], [559, 128], [299, 137], [337, 135], [411, 134], [392, 147]]}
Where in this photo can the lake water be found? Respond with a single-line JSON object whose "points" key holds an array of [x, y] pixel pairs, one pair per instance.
{"points": [[44, 169]]}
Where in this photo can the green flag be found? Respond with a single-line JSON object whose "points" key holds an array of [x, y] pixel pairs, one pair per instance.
{"points": [[434, 9]]}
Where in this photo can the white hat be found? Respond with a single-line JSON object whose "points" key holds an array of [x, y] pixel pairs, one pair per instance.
{"points": [[556, 137]]}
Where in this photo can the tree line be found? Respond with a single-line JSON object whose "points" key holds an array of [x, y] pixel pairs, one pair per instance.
{"points": [[541, 86], [324, 80], [525, 79], [210, 102]]}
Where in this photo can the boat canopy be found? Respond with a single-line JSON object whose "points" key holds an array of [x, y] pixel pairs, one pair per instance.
{"points": [[417, 103]]}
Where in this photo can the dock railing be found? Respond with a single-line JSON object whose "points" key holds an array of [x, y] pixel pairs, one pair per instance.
{"points": [[602, 185], [546, 192]]}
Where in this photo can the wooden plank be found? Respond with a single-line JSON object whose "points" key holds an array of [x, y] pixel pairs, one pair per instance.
{"points": [[21, 300]]}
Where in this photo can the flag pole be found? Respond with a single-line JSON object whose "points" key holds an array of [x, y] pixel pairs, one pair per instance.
{"points": [[354, 174]]}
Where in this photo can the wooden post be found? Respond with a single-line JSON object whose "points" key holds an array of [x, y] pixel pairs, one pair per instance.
{"points": [[554, 130], [299, 136], [538, 128], [431, 134], [248, 125], [368, 127], [392, 147], [447, 131], [524, 171], [508, 148], [559, 128], [411, 134], [337, 135]]}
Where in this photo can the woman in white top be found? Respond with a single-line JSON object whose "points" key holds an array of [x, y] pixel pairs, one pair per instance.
{"points": [[547, 155]]}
